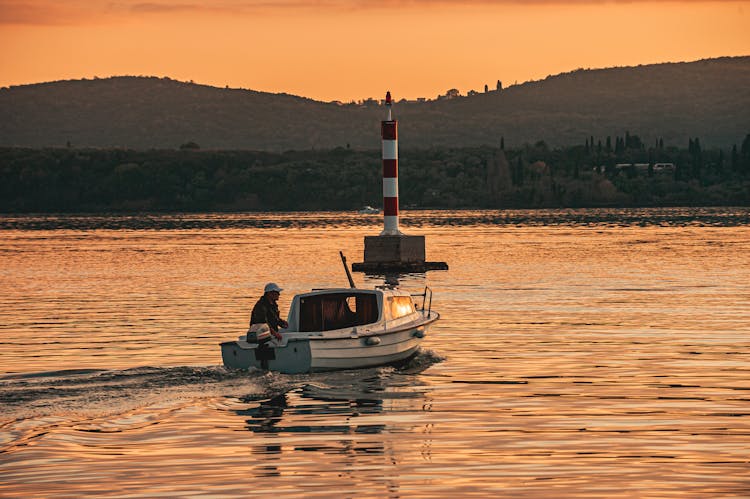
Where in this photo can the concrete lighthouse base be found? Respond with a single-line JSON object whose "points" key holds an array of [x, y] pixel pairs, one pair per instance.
{"points": [[399, 253]]}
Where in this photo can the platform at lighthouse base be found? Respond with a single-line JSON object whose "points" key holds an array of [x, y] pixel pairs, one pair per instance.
{"points": [[399, 253]]}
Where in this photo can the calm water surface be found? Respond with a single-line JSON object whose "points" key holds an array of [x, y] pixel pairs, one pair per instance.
{"points": [[593, 353]]}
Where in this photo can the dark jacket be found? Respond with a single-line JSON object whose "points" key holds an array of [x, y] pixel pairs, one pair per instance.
{"points": [[265, 312]]}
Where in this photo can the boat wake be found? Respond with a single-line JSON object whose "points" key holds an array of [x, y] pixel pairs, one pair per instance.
{"points": [[100, 392], [87, 393], [423, 359]]}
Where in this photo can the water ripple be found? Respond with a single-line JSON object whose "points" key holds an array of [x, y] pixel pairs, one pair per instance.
{"points": [[604, 217]]}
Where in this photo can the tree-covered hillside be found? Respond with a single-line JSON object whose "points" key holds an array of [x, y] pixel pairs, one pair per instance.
{"points": [[606, 171], [708, 99]]}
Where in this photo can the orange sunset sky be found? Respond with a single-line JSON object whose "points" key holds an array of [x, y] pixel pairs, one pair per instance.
{"points": [[353, 49]]}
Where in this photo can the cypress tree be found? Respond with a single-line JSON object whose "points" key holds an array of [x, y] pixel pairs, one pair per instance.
{"points": [[746, 146], [650, 163], [696, 157], [619, 145], [745, 155], [519, 171]]}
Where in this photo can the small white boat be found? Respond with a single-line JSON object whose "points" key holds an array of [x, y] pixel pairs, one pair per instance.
{"points": [[368, 210], [341, 328]]}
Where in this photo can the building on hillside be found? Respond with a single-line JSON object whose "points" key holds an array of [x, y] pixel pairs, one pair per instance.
{"points": [[664, 167]]}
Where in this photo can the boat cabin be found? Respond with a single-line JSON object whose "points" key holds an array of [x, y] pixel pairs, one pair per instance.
{"points": [[346, 308]]}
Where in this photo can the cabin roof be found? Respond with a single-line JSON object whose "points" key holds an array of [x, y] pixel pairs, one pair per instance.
{"points": [[353, 291]]}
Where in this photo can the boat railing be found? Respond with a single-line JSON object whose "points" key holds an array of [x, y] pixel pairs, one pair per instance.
{"points": [[426, 299]]}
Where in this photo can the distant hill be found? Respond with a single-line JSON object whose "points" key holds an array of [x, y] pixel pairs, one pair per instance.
{"points": [[709, 99]]}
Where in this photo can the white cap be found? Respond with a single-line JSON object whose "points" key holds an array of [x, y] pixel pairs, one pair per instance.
{"points": [[272, 286]]}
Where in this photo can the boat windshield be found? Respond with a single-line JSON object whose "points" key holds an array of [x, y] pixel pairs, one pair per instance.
{"points": [[330, 311], [401, 306]]}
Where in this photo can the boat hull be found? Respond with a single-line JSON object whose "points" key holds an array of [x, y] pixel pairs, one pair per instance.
{"points": [[318, 353], [357, 353]]}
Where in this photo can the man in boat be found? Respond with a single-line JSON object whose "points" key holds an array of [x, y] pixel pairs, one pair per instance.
{"points": [[266, 313]]}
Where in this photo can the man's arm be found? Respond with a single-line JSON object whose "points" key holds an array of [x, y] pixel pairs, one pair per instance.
{"points": [[274, 321]]}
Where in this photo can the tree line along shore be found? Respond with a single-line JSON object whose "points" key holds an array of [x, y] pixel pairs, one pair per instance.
{"points": [[601, 172]]}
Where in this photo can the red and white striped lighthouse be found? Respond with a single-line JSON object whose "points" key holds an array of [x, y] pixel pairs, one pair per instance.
{"points": [[389, 133], [392, 251]]}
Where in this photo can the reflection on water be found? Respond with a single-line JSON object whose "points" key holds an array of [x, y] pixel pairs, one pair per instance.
{"points": [[586, 353], [347, 419]]}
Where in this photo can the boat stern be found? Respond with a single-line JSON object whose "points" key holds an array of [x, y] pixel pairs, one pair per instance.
{"points": [[290, 358]]}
